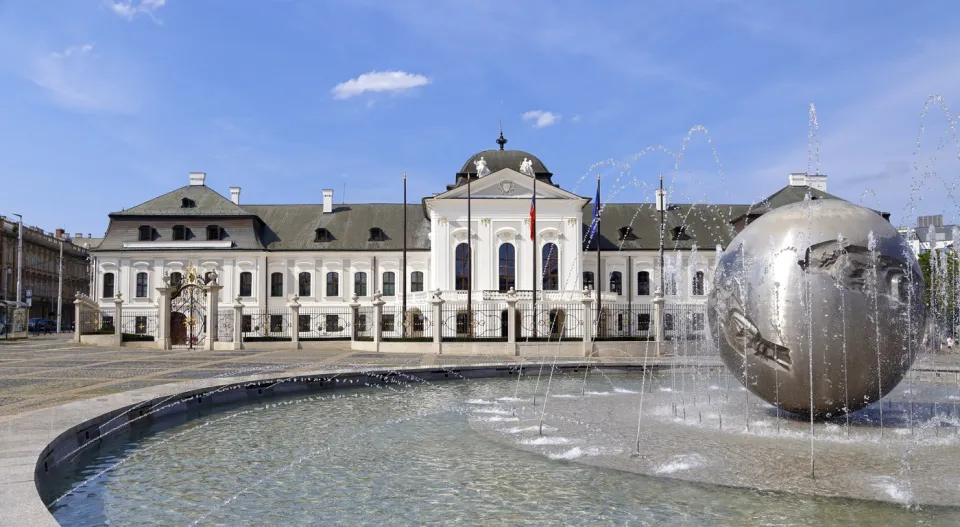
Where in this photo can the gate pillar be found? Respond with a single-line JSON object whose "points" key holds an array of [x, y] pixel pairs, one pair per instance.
{"points": [[163, 313], [213, 309]]}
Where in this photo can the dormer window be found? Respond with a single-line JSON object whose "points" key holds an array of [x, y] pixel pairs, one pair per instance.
{"points": [[146, 233], [213, 232], [377, 235], [626, 233], [680, 233], [323, 235], [179, 233], [187, 203]]}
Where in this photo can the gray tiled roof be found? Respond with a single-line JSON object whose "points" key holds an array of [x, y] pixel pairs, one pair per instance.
{"points": [[208, 203], [706, 225], [293, 227]]}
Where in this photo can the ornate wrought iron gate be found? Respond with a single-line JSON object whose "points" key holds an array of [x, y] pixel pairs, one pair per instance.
{"points": [[188, 313]]}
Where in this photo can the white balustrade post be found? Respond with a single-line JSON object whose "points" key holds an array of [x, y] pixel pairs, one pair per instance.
{"points": [[118, 319], [294, 307], [511, 316], [377, 319], [437, 303], [213, 309], [238, 323], [659, 335], [587, 302]]}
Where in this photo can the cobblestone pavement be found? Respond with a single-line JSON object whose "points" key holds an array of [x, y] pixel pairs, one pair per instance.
{"points": [[51, 370]]}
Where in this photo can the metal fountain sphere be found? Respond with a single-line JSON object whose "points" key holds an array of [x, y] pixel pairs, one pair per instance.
{"points": [[820, 292]]}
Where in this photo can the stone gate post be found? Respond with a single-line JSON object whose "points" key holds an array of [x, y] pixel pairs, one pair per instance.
{"points": [[587, 302], [238, 322], [512, 317], [378, 319], [355, 315], [437, 303], [163, 313], [294, 306], [118, 320], [213, 309]]}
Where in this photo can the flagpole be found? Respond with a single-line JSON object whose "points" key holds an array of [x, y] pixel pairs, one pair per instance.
{"points": [[403, 321], [662, 205], [469, 263], [533, 239], [599, 278]]}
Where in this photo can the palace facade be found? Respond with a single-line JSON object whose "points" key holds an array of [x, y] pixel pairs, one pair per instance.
{"points": [[327, 253]]}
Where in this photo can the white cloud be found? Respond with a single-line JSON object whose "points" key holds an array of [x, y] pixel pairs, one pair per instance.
{"points": [[576, 118], [541, 118], [78, 78], [129, 8], [379, 81]]}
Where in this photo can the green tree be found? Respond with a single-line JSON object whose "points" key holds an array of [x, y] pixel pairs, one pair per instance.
{"points": [[940, 289]]}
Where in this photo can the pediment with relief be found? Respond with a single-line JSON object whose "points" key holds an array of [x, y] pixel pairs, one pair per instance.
{"points": [[507, 183]]}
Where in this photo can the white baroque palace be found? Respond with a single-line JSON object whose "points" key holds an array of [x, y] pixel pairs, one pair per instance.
{"points": [[326, 254]]}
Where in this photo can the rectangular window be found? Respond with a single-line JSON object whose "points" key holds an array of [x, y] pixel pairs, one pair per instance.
{"points": [[142, 285], [146, 233], [332, 324], [140, 325], [389, 284], [179, 233], [108, 285], [246, 283], [643, 322], [386, 322], [416, 281], [303, 323], [588, 280], [360, 284], [668, 321], [276, 284], [643, 283], [304, 284], [276, 323], [333, 284], [696, 321], [246, 323]]}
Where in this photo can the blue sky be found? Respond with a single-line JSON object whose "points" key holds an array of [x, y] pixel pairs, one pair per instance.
{"points": [[108, 103]]}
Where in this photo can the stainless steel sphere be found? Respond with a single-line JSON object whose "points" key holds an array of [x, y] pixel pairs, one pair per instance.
{"points": [[806, 295]]}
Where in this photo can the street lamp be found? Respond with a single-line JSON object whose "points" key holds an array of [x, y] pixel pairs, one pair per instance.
{"points": [[19, 257]]}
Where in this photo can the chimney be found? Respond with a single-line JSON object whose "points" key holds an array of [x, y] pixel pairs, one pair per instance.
{"points": [[89, 235], [235, 195], [60, 234], [327, 200], [197, 179]]}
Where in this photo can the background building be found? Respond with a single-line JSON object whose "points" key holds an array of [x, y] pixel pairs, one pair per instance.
{"points": [[40, 276]]}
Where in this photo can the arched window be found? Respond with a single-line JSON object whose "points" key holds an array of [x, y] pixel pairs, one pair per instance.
{"points": [[333, 284], [551, 268], [389, 284], [276, 284], [416, 281], [508, 267], [108, 285], [141, 285], [246, 283], [588, 280], [616, 283], [304, 283], [360, 284], [461, 269], [643, 283], [698, 283]]}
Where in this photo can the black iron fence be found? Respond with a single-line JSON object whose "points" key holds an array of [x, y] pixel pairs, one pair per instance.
{"points": [[225, 325], [260, 324], [551, 321], [138, 325], [363, 327], [487, 321], [416, 325], [324, 323], [624, 322]]}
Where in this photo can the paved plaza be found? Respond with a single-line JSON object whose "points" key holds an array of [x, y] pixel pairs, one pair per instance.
{"points": [[48, 371]]}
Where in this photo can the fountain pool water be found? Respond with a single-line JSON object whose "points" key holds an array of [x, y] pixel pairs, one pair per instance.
{"points": [[469, 453]]}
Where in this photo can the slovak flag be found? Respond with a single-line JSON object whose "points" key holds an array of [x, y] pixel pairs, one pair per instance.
{"points": [[533, 216]]}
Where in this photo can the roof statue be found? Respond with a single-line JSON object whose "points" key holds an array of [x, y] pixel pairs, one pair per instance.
{"points": [[482, 169], [526, 168]]}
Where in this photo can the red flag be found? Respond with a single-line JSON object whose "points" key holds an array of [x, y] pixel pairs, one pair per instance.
{"points": [[533, 215]]}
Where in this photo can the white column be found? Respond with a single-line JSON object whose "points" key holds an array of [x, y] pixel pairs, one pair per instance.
{"points": [[294, 307], [118, 319], [437, 303]]}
